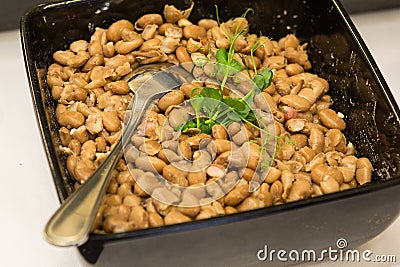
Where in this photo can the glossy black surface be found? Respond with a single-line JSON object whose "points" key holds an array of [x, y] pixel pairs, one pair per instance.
{"points": [[337, 53]]}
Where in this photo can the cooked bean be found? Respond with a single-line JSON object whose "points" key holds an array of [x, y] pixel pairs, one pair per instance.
{"points": [[114, 31], [148, 19], [330, 119], [175, 217], [207, 23], [194, 31], [177, 117], [155, 220], [250, 203], [111, 121], [71, 119], [329, 185], [237, 195], [150, 164], [297, 102], [169, 99], [139, 217], [273, 175], [175, 175], [363, 175], [219, 132]]}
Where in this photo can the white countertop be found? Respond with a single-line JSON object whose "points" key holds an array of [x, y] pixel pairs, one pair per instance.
{"points": [[27, 193]]}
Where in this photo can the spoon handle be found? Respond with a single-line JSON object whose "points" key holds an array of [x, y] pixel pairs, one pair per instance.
{"points": [[71, 223]]}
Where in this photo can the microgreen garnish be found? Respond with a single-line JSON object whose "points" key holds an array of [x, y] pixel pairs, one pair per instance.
{"points": [[212, 107]]}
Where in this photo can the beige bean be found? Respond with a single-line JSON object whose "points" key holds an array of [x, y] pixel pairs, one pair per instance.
{"points": [[248, 174], [276, 190], [188, 88], [116, 224], [149, 31], [363, 175], [364, 163], [125, 47], [285, 152], [301, 189], [297, 102], [329, 185], [65, 136], [175, 217], [294, 69], [78, 60], [185, 150], [94, 123], [71, 119], [169, 99], [125, 177], [207, 23], [299, 141], [273, 175], [139, 217], [237, 195], [150, 147], [119, 87], [316, 140], [169, 44], [222, 145], [230, 210], [83, 169], [101, 144], [150, 164], [197, 177], [348, 173], [62, 57], [177, 117], [121, 210], [150, 44], [307, 153], [75, 147], [330, 119], [194, 31], [175, 175], [95, 48], [250, 203], [219, 132], [88, 150], [192, 212], [295, 125], [155, 220], [253, 156], [113, 33], [216, 170], [183, 55], [148, 19], [71, 164], [111, 121]]}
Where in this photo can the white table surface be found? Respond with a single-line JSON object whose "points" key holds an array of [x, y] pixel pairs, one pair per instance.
{"points": [[27, 193]]}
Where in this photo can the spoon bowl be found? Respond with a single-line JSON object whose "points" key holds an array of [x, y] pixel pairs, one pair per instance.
{"points": [[71, 223]]}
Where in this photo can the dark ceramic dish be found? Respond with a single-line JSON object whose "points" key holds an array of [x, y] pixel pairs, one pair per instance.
{"points": [[359, 91]]}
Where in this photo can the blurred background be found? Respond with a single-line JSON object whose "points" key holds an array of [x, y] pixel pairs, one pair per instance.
{"points": [[11, 11]]}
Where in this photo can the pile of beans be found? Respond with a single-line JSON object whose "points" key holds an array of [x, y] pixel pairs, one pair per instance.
{"points": [[86, 81]]}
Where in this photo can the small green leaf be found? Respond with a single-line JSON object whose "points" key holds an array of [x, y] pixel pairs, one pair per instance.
{"points": [[221, 56], [197, 103], [236, 65], [259, 80], [267, 74]]}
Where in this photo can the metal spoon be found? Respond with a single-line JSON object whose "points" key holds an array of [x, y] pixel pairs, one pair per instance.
{"points": [[71, 223]]}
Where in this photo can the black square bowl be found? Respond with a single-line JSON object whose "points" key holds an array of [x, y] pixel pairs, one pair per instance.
{"points": [[358, 89]]}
